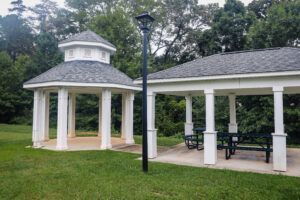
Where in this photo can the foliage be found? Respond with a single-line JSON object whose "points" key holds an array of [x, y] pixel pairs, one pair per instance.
{"points": [[231, 23], [13, 102], [280, 28], [15, 36]]}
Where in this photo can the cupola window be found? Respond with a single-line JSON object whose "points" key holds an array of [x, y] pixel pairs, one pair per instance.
{"points": [[71, 53], [87, 53], [103, 55]]}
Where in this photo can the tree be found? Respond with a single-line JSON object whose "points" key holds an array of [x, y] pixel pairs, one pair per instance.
{"points": [[46, 55], [208, 43], [231, 24], [43, 13], [260, 7], [13, 101], [15, 36], [115, 26], [279, 28], [18, 8]]}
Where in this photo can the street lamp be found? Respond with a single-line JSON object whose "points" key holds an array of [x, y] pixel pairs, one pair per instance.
{"points": [[145, 20]]}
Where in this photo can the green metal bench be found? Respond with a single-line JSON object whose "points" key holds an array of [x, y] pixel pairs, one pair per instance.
{"points": [[262, 141], [193, 141]]}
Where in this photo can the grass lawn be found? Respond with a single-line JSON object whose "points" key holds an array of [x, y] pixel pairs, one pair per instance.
{"points": [[27, 173]]}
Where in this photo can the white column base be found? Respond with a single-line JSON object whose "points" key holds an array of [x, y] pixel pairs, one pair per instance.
{"points": [[152, 143], [210, 148], [233, 128], [61, 148], [188, 128], [279, 152], [72, 135], [105, 146], [37, 145], [130, 141]]}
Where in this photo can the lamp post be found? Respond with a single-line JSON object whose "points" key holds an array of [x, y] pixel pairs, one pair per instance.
{"points": [[145, 19]]}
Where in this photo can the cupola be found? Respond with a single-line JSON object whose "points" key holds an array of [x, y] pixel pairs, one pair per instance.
{"points": [[87, 45]]}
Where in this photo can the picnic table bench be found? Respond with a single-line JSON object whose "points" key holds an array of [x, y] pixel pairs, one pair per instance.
{"points": [[232, 141], [195, 140], [262, 142]]}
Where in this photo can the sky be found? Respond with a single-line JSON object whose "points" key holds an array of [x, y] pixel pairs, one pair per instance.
{"points": [[5, 4]]}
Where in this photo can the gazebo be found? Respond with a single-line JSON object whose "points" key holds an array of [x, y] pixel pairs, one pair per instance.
{"points": [[86, 70], [273, 71]]}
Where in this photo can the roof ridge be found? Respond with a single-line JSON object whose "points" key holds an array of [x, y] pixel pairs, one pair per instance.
{"points": [[250, 50], [88, 36], [180, 65]]}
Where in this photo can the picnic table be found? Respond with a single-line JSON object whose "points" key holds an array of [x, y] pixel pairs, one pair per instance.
{"points": [[232, 142]]}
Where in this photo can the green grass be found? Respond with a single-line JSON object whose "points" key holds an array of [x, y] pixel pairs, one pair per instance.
{"points": [[27, 173]]}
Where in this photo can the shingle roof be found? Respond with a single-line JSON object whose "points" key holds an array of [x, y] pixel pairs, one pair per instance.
{"points": [[241, 62], [87, 36], [83, 72]]}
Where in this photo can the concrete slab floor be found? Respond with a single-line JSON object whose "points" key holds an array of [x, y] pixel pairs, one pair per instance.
{"points": [[242, 160], [94, 143], [251, 161]]}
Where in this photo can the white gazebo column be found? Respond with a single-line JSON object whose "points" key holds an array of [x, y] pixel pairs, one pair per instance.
{"points": [[129, 118], [188, 126], [106, 119], [210, 135], [123, 131], [44, 115], [232, 126], [47, 104], [62, 119], [100, 116], [152, 132], [36, 124], [279, 137], [71, 119]]}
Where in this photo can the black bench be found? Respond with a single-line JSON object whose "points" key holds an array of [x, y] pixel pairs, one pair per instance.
{"points": [[262, 141], [193, 141]]}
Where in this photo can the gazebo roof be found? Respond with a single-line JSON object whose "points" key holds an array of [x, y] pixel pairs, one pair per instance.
{"points": [[239, 62], [82, 71], [87, 36]]}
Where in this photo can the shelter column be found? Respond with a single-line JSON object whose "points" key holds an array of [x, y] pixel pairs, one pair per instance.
{"points": [[123, 130], [62, 119], [45, 116], [36, 125], [106, 119], [210, 135], [71, 119], [188, 126], [152, 132], [129, 118], [279, 137], [232, 126], [100, 116]]}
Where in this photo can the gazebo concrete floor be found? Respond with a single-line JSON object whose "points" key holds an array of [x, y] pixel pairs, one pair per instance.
{"points": [[94, 143], [250, 161]]}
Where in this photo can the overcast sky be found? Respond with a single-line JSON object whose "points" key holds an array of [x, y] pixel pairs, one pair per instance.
{"points": [[5, 4]]}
